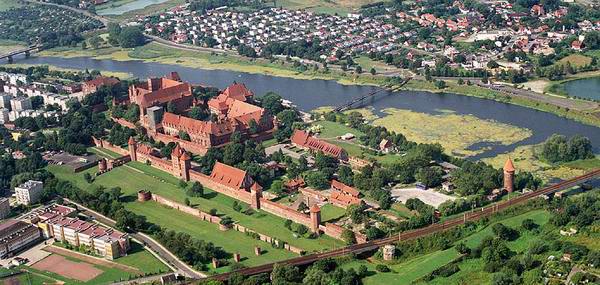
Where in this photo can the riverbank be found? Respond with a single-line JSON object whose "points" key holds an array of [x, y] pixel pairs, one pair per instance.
{"points": [[120, 75], [558, 87], [158, 53]]}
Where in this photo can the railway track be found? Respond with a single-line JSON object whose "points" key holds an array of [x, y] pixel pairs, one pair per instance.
{"points": [[417, 233]]}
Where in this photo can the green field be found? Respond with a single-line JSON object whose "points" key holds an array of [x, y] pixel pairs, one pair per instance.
{"points": [[330, 212], [143, 260], [231, 241], [407, 272], [135, 176]]}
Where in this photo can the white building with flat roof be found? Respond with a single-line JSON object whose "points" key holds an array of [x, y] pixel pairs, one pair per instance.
{"points": [[29, 192], [20, 103]]}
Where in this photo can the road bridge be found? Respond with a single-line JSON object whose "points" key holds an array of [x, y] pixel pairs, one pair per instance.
{"points": [[417, 233]]}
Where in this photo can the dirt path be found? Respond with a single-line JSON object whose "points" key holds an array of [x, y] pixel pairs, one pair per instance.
{"points": [[92, 260]]}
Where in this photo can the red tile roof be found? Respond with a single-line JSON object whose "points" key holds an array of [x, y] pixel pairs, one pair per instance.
{"points": [[101, 81], [508, 166], [339, 186], [303, 139], [231, 176]]}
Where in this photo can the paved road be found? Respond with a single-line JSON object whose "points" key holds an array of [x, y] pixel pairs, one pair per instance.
{"points": [[153, 245]]}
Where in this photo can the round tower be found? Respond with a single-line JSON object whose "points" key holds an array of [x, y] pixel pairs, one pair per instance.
{"points": [[509, 176]]}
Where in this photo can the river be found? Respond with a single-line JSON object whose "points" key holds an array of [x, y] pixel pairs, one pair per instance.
{"points": [[584, 88], [131, 6], [311, 94]]}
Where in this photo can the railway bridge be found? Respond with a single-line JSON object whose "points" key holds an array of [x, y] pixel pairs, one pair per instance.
{"points": [[27, 51], [417, 233]]}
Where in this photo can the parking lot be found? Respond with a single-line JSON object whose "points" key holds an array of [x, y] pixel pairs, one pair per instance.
{"points": [[33, 254], [429, 197]]}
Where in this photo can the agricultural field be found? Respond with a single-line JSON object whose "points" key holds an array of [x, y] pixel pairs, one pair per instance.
{"points": [[135, 176]]}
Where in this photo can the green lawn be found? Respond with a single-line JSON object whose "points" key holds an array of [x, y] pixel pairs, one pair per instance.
{"points": [[407, 272], [135, 176], [585, 164], [105, 153], [330, 212], [331, 130], [231, 241], [143, 260]]}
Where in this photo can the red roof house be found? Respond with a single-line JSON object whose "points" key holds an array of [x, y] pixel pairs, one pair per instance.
{"points": [[304, 140]]}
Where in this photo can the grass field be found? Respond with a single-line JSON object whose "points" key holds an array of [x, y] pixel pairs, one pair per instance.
{"points": [[135, 176], [331, 130], [340, 7], [407, 272], [456, 133], [231, 241], [143, 260], [330, 212], [576, 60]]}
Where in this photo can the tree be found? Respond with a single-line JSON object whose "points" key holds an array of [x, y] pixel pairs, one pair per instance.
{"points": [[186, 201], [348, 237], [272, 102], [462, 248], [285, 274], [131, 37], [430, 176], [95, 42], [373, 71], [504, 232], [317, 180], [197, 190], [359, 69], [88, 177], [440, 84], [114, 32], [528, 224]]}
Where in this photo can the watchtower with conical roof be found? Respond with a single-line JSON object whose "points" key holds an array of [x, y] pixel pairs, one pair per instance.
{"points": [[509, 176]]}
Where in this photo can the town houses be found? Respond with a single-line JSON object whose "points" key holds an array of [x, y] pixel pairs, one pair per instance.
{"points": [[231, 112], [426, 36]]}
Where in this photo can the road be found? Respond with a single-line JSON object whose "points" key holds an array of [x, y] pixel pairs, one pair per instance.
{"points": [[418, 233], [149, 242]]}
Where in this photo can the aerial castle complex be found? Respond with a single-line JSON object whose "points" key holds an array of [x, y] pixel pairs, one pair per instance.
{"points": [[164, 103]]}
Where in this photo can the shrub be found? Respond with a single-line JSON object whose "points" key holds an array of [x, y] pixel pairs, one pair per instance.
{"points": [[382, 268]]}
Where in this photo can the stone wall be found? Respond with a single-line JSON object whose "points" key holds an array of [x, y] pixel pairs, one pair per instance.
{"points": [[124, 123], [107, 145]]}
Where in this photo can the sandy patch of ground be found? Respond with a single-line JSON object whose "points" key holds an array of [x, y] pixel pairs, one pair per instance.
{"points": [[428, 197], [536, 85], [81, 271]]}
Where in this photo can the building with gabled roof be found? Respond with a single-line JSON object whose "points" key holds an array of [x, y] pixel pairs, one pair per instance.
{"points": [[303, 139], [160, 91], [93, 85], [232, 177]]}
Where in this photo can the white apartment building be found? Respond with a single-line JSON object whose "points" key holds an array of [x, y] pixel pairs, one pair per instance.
{"points": [[29, 192]]}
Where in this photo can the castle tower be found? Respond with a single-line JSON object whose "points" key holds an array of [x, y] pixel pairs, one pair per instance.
{"points": [[132, 149], [315, 218], [509, 176], [185, 166], [102, 165], [255, 195]]}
